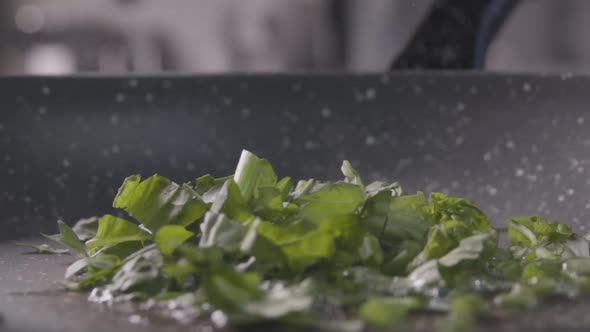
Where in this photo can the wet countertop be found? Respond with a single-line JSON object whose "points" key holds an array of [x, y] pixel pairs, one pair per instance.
{"points": [[31, 299]]}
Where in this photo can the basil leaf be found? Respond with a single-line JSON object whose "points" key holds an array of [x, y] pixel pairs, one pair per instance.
{"points": [[68, 238]]}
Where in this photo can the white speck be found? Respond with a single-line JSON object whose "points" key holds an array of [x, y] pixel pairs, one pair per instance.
{"points": [[227, 101], [587, 205], [133, 83], [115, 149], [166, 84], [46, 90], [309, 145], [370, 140], [1, 126], [371, 94], [459, 140], [149, 97], [460, 107], [560, 198], [565, 76], [570, 191], [473, 90], [286, 142], [580, 120], [245, 112], [148, 152], [510, 145], [136, 319], [450, 130], [326, 113], [491, 190], [385, 79], [190, 166], [519, 172], [421, 142], [428, 157], [42, 110], [539, 168], [527, 87], [218, 318], [296, 87], [580, 169], [531, 177], [119, 97], [114, 119], [417, 89], [455, 184], [66, 163], [487, 156]]}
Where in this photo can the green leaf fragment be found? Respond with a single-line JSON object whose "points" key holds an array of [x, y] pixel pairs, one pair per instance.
{"points": [[170, 237], [157, 201], [388, 312], [113, 230], [68, 238], [42, 249]]}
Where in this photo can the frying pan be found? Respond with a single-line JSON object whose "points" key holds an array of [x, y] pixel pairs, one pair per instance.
{"points": [[516, 144]]}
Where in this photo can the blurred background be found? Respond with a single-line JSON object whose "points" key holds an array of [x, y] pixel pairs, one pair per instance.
{"points": [[57, 37]]}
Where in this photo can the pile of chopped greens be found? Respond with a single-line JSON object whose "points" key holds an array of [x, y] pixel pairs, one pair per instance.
{"points": [[252, 248]]}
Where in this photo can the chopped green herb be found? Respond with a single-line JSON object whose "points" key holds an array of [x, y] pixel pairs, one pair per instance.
{"points": [[43, 248], [250, 248]]}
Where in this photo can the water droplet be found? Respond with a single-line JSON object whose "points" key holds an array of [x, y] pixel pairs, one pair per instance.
{"points": [[459, 140], [114, 119], [166, 84], [310, 145], [487, 156], [460, 107], [385, 79], [510, 145], [539, 168], [580, 120], [326, 113], [115, 149], [519, 172], [245, 112], [148, 152], [570, 191], [133, 83], [42, 110], [370, 140], [119, 97], [149, 97], [473, 90], [371, 94], [190, 166], [46, 90], [227, 101], [560, 198], [527, 87], [66, 163], [492, 191], [218, 318]]}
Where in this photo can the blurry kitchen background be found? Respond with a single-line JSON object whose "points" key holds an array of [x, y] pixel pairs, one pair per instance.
{"points": [[216, 36]]}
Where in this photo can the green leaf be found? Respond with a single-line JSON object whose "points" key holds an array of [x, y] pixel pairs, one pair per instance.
{"points": [[170, 237], [521, 235], [350, 174], [330, 200], [387, 312], [229, 290], [442, 208], [86, 229], [221, 232], [68, 238], [395, 218], [113, 230], [464, 311], [157, 201], [42, 249], [520, 297], [252, 172], [470, 248], [370, 252], [206, 183], [230, 202]]}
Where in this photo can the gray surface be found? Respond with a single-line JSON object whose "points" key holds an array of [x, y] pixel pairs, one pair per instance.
{"points": [[31, 299]]}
